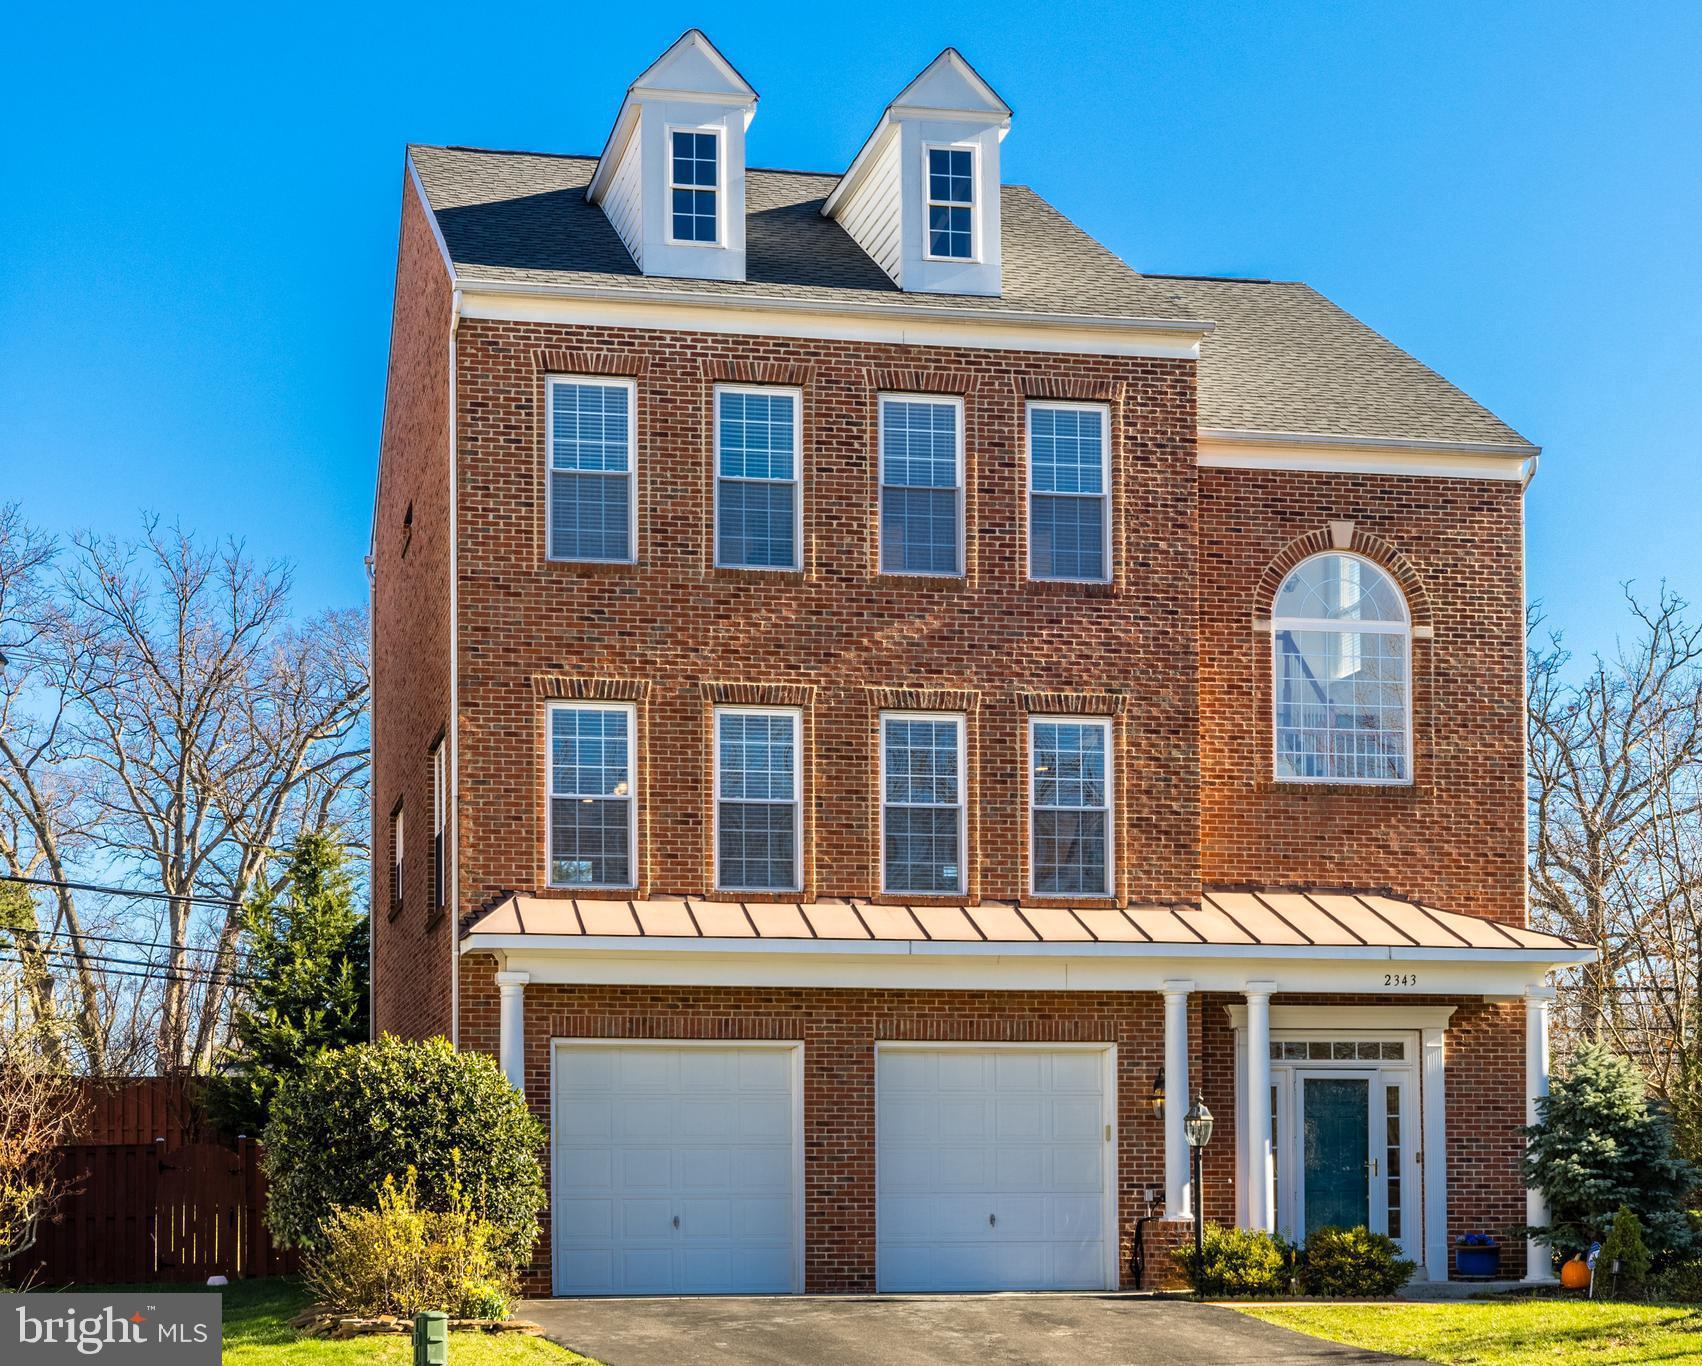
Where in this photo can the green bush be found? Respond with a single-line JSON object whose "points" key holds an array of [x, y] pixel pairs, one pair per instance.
{"points": [[1352, 1263], [1680, 1283], [1238, 1261], [354, 1116], [1599, 1145], [1624, 1245], [401, 1259]]}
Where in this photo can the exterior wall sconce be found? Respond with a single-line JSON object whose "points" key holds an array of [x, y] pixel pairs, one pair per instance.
{"points": [[1156, 1099]]}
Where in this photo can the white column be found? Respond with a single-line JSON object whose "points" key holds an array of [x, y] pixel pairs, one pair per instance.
{"points": [[1260, 1212], [511, 1027], [1538, 1265], [1434, 1153], [1178, 1202]]}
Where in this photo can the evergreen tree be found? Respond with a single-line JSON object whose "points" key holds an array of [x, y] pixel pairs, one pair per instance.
{"points": [[1598, 1146], [306, 948]]}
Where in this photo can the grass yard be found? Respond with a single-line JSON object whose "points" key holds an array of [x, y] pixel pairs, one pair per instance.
{"points": [[257, 1332], [1504, 1332]]}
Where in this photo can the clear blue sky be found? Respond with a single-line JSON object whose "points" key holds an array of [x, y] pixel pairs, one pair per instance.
{"points": [[198, 220]]}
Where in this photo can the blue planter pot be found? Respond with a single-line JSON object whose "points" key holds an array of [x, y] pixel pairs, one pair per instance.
{"points": [[1477, 1261]]}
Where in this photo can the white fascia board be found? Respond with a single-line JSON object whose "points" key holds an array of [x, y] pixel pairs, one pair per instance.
{"points": [[867, 155], [613, 153], [1248, 450], [907, 324]]}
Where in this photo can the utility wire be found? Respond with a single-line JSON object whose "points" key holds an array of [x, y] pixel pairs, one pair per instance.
{"points": [[162, 976], [103, 959], [118, 891]]}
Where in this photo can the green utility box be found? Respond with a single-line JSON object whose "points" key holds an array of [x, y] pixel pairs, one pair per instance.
{"points": [[431, 1338]]}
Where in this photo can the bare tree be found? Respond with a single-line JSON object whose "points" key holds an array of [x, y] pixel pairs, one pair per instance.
{"points": [[40, 1108], [204, 711], [1616, 835]]}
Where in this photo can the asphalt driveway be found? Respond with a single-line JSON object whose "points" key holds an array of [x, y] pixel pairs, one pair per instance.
{"points": [[1081, 1330]]}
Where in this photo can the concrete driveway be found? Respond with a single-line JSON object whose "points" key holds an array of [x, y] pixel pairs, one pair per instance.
{"points": [[1081, 1330]]}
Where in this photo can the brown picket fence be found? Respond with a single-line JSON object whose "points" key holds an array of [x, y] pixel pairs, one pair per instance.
{"points": [[151, 1212]]}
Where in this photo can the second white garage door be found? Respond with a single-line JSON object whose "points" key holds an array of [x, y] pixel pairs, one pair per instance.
{"points": [[676, 1169], [992, 1168]]}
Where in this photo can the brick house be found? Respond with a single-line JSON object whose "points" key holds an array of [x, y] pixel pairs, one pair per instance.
{"points": [[880, 707]]}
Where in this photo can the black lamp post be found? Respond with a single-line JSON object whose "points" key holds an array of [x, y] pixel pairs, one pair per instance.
{"points": [[1196, 1128]]}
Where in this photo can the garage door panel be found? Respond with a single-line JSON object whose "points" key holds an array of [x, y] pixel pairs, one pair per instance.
{"points": [[991, 1169], [674, 1170]]}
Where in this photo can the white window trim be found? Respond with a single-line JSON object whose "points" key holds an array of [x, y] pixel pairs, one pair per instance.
{"points": [[961, 805], [606, 382], [720, 186], [1104, 496], [1280, 623], [631, 798], [396, 851], [439, 821], [974, 205], [1104, 723], [796, 802], [881, 400], [797, 479]]}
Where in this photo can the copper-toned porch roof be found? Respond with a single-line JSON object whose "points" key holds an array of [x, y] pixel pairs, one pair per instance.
{"points": [[1226, 918]]}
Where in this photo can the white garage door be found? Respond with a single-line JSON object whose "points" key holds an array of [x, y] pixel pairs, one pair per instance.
{"points": [[675, 1169], [990, 1168]]}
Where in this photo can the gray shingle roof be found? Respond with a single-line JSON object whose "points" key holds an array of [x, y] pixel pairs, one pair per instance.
{"points": [[1281, 359]]}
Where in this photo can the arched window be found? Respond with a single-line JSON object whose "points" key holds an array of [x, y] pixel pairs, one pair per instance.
{"points": [[1340, 674]]}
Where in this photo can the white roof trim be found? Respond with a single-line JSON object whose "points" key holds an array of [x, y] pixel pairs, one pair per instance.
{"points": [[1247, 436], [1365, 455]]}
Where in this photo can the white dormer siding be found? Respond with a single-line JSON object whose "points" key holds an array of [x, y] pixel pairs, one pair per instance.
{"points": [[672, 178], [922, 196]]}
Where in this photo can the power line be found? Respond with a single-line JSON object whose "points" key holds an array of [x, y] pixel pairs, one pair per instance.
{"points": [[131, 943], [162, 976], [118, 891], [104, 959]]}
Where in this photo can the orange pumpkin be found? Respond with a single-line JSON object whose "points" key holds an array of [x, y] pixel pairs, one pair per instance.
{"points": [[1575, 1274]]}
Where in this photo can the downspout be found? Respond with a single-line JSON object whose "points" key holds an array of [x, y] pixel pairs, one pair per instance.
{"points": [[372, 837], [453, 814]]}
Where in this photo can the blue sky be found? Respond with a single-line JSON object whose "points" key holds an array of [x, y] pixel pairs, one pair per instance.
{"points": [[199, 219]]}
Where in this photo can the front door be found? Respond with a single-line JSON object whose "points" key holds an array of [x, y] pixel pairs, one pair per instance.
{"points": [[1336, 1154]]}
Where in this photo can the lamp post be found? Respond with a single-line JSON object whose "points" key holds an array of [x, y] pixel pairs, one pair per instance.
{"points": [[1196, 1128]]}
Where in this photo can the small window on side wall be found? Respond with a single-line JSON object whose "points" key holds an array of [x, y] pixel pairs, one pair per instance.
{"points": [[396, 860], [592, 494], [439, 819], [1340, 674]]}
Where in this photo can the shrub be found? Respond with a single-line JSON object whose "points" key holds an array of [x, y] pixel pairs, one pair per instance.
{"points": [[1598, 1145], [1238, 1261], [400, 1259], [1624, 1245], [1352, 1263], [354, 1116], [1680, 1283]]}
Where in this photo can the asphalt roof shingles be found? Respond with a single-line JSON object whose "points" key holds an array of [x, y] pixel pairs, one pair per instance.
{"points": [[1282, 359]]}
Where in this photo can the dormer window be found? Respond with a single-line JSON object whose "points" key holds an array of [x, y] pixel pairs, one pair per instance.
{"points": [[951, 203], [693, 185]]}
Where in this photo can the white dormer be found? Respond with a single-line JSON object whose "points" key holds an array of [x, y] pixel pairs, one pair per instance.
{"points": [[922, 197], [672, 177]]}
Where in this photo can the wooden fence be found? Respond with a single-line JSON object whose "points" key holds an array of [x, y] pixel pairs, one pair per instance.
{"points": [[141, 1110], [154, 1212]]}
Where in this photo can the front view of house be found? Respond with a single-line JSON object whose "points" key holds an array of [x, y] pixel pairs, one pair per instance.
{"points": [[879, 708]]}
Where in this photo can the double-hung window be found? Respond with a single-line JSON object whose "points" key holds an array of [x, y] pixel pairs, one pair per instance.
{"points": [[439, 810], [921, 457], [1069, 504], [693, 185], [757, 809], [758, 510], [1070, 806], [593, 832], [922, 783], [592, 469], [951, 203]]}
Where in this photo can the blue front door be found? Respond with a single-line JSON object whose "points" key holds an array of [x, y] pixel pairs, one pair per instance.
{"points": [[1336, 1151]]}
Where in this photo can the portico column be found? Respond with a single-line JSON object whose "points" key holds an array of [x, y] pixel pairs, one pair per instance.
{"points": [[1260, 1213], [1538, 1263], [1178, 1203], [511, 1027]]}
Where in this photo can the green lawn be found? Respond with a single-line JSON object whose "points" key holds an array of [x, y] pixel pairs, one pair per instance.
{"points": [[257, 1318], [1504, 1332]]}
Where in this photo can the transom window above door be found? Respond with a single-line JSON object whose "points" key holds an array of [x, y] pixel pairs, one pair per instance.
{"points": [[1339, 1050], [758, 508], [1341, 646]]}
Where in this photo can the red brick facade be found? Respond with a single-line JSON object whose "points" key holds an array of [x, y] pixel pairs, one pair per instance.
{"points": [[1171, 649]]}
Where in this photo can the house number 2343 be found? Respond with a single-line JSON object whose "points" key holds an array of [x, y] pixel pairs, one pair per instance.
{"points": [[1400, 979]]}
